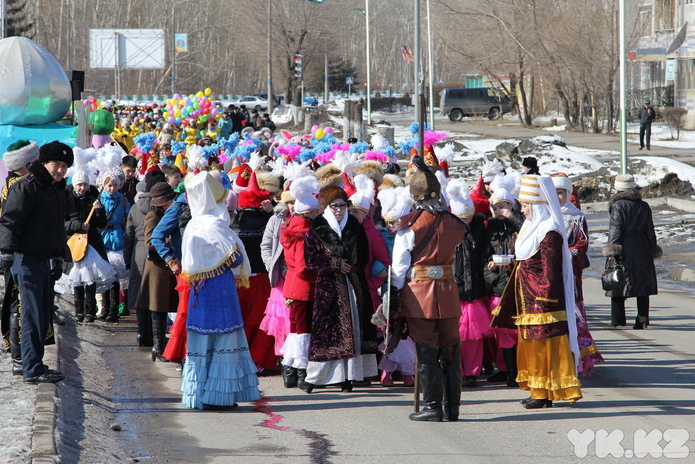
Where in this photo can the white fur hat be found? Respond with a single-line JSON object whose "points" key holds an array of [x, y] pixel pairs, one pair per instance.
{"points": [[460, 198], [364, 197], [400, 206], [491, 169], [305, 190], [19, 154], [562, 182]]}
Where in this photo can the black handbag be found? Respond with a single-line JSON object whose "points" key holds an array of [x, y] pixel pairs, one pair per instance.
{"points": [[613, 277]]}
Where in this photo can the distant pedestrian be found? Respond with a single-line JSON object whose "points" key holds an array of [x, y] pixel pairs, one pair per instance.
{"points": [[530, 165], [646, 116]]}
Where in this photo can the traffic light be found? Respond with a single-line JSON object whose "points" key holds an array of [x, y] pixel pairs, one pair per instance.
{"points": [[298, 65]]}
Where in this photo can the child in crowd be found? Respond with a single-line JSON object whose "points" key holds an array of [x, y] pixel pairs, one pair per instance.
{"points": [[129, 166], [116, 209]]}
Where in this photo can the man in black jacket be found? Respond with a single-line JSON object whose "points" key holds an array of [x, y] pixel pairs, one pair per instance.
{"points": [[646, 116], [32, 242]]}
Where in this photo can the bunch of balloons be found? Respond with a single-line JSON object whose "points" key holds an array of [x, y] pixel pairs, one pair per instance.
{"points": [[194, 106], [320, 132]]}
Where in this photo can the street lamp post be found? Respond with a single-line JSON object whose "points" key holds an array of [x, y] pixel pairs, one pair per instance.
{"points": [[270, 64], [3, 18], [430, 61], [369, 82], [623, 112]]}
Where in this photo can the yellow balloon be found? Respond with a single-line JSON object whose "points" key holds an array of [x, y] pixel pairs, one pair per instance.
{"points": [[166, 115], [208, 91], [199, 94], [319, 134], [177, 113], [181, 102]]}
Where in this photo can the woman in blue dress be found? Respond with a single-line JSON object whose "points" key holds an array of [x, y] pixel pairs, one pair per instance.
{"points": [[218, 370]]}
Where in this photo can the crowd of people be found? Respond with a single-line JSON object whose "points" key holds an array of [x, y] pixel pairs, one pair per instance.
{"points": [[245, 253]]}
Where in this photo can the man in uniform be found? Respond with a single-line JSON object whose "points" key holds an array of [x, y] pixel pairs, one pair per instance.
{"points": [[33, 242], [423, 256]]}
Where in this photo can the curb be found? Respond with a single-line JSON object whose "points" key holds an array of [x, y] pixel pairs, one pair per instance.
{"points": [[43, 445]]}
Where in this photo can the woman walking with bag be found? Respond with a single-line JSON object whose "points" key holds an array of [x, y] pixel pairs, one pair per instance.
{"points": [[632, 240]]}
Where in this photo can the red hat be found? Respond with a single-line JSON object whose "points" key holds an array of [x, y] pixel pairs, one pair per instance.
{"points": [[253, 195], [348, 186], [242, 179]]}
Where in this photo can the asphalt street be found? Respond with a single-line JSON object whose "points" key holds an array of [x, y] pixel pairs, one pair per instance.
{"points": [[646, 384]]}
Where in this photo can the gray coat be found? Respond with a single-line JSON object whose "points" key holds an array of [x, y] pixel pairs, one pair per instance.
{"points": [[271, 250], [631, 227], [134, 251]]}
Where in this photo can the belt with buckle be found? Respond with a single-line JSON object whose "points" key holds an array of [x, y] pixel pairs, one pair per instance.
{"points": [[432, 272]]}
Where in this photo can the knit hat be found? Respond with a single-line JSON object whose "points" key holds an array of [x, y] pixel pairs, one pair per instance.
{"points": [[253, 195], [625, 182], [363, 198], [562, 182], [161, 194], [20, 154], [56, 151], [80, 177], [328, 194], [460, 198], [304, 191]]}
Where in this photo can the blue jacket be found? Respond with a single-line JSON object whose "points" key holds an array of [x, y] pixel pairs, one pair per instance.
{"points": [[175, 218], [113, 234]]}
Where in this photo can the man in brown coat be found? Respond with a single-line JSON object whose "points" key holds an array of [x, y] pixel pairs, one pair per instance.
{"points": [[423, 256]]}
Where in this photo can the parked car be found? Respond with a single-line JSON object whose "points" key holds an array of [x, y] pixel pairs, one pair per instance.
{"points": [[251, 102], [457, 103], [282, 114], [277, 98]]}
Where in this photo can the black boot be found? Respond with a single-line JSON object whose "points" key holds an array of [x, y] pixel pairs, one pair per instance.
{"points": [[451, 382], [302, 383], [79, 303], [113, 303], [144, 327], [159, 329], [431, 381], [290, 376], [15, 347], [90, 303], [509, 355]]}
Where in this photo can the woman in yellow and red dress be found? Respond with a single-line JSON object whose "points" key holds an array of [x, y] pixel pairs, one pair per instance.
{"points": [[539, 300]]}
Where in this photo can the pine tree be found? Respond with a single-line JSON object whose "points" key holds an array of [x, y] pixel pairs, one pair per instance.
{"points": [[338, 71], [18, 24]]}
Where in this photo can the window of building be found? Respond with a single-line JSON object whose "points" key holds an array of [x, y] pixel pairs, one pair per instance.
{"points": [[663, 16], [645, 21]]}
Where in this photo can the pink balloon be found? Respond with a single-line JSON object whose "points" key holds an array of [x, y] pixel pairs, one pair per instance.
{"points": [[314, 128], [214, 112], [328, 130]]}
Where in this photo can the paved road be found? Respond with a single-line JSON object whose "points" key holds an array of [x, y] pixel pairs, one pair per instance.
{"points": [[646, 383]]}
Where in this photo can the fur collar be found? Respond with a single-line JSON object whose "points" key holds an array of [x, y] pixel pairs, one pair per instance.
{"points": [[294, 230], [630, 195], [330, 239], [40, 173]]}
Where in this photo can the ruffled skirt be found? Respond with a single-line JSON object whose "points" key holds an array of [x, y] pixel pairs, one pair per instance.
{"points": [[295, 350], [92, 269], [276, 321], [475, 319], [218, 371], [117, 261], [506, 338]]}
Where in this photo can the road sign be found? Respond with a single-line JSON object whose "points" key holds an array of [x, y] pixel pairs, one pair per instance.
{"points": [[441, 80], [350, 81], [298, 65]]}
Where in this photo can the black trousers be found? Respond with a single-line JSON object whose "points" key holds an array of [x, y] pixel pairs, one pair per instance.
{"points": [[33, 277], [645, 130], [618, 309]]}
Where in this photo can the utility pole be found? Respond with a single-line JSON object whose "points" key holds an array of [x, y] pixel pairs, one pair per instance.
{"points": [[369, 81], [271, 100], [430, 64], [418, 82], [623, 109], [325, 79], [3, 18]]}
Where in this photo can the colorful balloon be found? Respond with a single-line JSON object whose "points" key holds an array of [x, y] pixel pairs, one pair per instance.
{"points": [[314, 128], [328, 130], [208, 91], [319, 133]]}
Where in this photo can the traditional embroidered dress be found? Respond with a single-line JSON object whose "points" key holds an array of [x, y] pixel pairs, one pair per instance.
{"points": [[539, 299], [578, 241], [218, 370]]}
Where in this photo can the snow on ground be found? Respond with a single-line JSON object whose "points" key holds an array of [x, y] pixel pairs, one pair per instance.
{"points": [[657, 167]]}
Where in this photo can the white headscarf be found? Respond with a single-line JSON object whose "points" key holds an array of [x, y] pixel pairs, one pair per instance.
{"points": [[333, 221], [539, 192], [208, 241]]}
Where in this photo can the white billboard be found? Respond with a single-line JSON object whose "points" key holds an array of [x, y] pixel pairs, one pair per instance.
{"points": [[126, 48]]}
